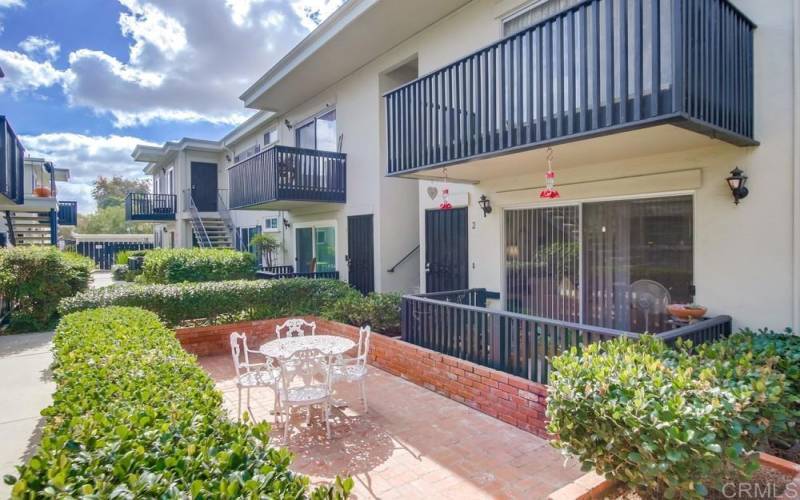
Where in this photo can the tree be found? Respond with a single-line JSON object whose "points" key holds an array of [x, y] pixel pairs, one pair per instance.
{"points": [[110, 220], [111, 191], [265, 244]]}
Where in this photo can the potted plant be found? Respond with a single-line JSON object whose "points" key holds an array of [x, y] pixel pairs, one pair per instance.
{"points": [[265, 244], [687, 312], [41, 191]]}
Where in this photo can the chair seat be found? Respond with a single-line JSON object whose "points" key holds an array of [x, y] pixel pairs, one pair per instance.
{"points": [[308, 394], [349, 372], [259, 378]]}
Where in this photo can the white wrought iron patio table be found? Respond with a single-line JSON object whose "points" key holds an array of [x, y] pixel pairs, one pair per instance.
{"points": [[327, 344]]}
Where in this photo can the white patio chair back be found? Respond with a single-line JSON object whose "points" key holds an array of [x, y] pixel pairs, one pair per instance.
{"points": [[241, 353], [363, 345], [355, 369], [295, 327], [251, 375], [310, 364]]}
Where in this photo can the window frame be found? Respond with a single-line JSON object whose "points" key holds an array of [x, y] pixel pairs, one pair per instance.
{"points": [[312, 120], [314, 226]]}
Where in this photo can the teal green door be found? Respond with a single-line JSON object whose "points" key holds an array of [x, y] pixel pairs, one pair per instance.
{"points": [[304, 252]]}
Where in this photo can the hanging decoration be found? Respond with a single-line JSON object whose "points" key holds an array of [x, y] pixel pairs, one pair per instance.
{"points": [[549, 179], [445, 204]]}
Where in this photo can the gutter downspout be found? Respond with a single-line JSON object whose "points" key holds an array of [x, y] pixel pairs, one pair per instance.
{"points": [[796, 166]]}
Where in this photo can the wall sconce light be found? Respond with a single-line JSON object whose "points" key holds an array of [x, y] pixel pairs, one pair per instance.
{"points": [[286, 224], [288, 124], [228, 157], [737, 182], [485, 205]]}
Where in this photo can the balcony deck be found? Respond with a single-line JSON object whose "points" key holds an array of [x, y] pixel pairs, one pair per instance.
{"points": [[67, 213], [12, 165], [598, 68], [282, 177], [148, 207], [413, 443]]}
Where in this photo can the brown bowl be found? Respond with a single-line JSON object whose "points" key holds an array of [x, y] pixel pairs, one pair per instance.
{"points": [[680, 311]]}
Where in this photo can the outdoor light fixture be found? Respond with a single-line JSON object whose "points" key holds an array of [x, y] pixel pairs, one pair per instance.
{"points": [[485, 205], [737, 182], [286, 224], [288, 124]]}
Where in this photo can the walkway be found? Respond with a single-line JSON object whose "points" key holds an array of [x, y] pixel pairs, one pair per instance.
{"points": [[27, 387], [413, 443]]}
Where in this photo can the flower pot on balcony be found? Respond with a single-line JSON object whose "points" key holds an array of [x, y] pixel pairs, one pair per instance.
{"points": [[41, 192], [687, 312]]}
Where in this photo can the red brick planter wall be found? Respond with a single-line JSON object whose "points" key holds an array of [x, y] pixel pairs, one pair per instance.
{"points": [[511, 399]]}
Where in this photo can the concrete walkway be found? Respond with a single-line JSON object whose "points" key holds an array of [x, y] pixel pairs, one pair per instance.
{"points": [[27, 388], [101, 279]]}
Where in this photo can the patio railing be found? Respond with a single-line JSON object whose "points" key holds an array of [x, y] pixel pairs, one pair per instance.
{"points": [[280, 272], [458, 324]]}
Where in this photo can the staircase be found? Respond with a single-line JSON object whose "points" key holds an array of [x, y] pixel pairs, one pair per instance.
{"points": [[29, 228], [210, 232]]}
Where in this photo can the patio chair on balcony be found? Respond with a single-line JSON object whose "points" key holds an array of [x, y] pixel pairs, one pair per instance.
{"points": [[355, 369], [253, 375], [315, 368], [295, 327]]}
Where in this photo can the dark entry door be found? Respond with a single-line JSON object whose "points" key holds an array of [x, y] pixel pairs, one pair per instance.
{"points": [[361, 274], [204, 186], [446, 256]]}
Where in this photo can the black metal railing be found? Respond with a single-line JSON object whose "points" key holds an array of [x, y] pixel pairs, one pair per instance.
{"points": [[280, 272], [67, 213], [282, 173], [12, 164], [150, 207], [598, 67], [458, 324]]}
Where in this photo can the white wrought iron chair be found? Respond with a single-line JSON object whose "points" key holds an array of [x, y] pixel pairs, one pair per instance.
{"points": [[355, 369], [295, 327], [253, 375], [312, 364]]}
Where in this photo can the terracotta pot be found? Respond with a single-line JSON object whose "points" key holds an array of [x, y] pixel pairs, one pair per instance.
{"points": [[41, 192], [680, 311]]}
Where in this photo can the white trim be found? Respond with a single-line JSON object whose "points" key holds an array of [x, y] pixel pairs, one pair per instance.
{"points": [[795, 171]]}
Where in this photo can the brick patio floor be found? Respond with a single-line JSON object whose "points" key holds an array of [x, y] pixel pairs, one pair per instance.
{"points": [[413, 443]]}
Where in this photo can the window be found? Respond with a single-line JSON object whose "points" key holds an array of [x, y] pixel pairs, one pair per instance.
{"points": [[271, 223], [170, 181], [271, 137], [540, 10], [315, 249], [319, 133], [615, 264]]}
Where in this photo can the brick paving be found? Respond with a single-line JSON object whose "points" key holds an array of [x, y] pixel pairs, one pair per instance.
{"points": [[413, 443]]}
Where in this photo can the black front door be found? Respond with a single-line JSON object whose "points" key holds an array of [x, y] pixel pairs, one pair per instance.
{"points": [[446, 256], [361, 272], [204, 186]]}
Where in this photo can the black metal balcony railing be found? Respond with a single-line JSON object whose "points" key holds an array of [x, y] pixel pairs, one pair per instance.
{"points": [[281, 272], [67, 213], [598, 67], [150, 207], [12, 164], [282, 173], [459, 324]]}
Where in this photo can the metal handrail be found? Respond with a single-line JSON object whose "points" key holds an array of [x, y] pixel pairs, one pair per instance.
{"points": [[409, 254], [204, 240], [697, 327]]}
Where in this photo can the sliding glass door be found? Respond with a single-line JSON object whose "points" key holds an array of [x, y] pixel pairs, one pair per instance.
{"points": [[315, 249], [615, 264]]}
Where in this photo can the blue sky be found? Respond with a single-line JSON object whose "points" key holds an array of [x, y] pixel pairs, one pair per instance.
{"points": [[86, 80]]}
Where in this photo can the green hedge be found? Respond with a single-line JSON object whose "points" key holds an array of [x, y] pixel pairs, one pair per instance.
{"points": [[664, 420], [379, 310], [217, 302], [35, 279], [134, 416], [179, 265]]}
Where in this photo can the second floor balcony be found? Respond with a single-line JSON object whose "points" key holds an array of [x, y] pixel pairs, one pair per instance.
{"points": [[144, 207], [12, 161], [282, 177], [67, 213], [600, 67]]}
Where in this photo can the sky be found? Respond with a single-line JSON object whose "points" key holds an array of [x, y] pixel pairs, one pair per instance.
{"points": [[88, 80]]}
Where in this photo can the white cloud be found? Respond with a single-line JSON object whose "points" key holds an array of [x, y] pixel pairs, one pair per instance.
{"points": [[187, 61], [12, 3], [86, 157], [26, 74], [39, 46]]}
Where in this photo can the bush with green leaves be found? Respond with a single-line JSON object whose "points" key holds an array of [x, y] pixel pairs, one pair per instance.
{"points": [[379, 310], [661, 420], [35, 279], [180, 265], [134, 416], [120, 272], [216, 302], [781, 353]]}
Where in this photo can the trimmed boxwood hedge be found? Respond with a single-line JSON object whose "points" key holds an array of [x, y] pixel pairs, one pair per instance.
{"points": [[134, 416], [180, 265], [217, 302]]}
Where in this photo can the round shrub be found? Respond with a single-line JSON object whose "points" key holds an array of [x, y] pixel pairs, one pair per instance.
{"points": [[379, 310], [180, 265], [657, 419], [35, 279]]}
